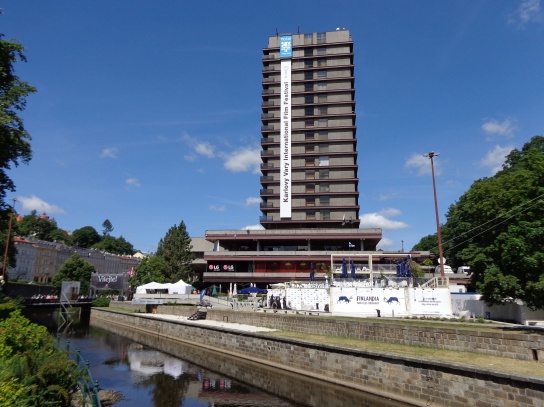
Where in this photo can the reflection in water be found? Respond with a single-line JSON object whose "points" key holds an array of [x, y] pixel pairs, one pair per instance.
{"points": [[152, 371]]}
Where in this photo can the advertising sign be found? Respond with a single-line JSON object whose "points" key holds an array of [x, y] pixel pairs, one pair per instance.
{"points": [[285, 140], [221, 267], [108, 281], [286, 46]]}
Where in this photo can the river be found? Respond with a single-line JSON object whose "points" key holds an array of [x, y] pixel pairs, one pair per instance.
{"points": [[151, 371]]}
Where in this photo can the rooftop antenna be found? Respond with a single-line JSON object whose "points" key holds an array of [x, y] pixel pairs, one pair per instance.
{"points": [[277, 31], [298, 29]]}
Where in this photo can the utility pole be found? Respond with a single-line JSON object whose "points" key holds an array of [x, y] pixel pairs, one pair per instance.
{"points": [[431, 155]]}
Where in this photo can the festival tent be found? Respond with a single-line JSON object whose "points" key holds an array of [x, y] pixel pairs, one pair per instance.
{"points": [[168, 288]]}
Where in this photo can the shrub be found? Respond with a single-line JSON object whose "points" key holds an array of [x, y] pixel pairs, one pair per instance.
{"points": [[101, 302]]}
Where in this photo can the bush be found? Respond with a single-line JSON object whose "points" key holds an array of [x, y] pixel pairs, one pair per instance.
{"points": [[101, 302]]}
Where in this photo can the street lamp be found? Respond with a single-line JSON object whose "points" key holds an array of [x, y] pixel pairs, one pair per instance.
{"points": [[431, 155], [7, 243]]}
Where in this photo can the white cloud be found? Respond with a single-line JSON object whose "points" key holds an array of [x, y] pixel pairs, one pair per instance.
{"points": [[495, 128], [389, 212], [385, 244], [423, 164], [201, 147], [133, 182], [380, 220], [217, 208], [253, 201], [529, 11], [388, 196], [109, 153], [244, 159], [33, 203], [495, 158]]}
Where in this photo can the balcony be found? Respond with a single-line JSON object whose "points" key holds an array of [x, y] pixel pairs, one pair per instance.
{"points": [[267, 128], [266, 192], [268, 91], [267, 103], [266, 218], [266, 166], [267, 116], [267, 178], [267, 205]]}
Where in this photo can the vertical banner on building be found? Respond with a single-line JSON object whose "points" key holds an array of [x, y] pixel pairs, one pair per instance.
{"points": [[286, 52]]}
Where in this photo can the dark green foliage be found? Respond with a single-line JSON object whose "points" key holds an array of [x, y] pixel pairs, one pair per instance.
{"points": [[74, 269], [175, 249], [101, 302], [85, 237], [150, 269], [115, 245], [497, 228], [427, 243], [107, 227], [32, 368], [14, 139], [36, 226]]}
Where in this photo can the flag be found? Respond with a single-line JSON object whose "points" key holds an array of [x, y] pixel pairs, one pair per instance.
{"points": [[351, 245]]}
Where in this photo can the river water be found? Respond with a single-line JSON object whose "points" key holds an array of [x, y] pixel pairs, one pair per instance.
{"points": [[151, 371]]}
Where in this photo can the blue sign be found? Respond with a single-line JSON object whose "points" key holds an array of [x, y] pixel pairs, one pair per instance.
{"points": [[286, 46]]}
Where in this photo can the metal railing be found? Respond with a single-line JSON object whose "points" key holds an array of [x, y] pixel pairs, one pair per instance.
{"points": [[89, 387]]}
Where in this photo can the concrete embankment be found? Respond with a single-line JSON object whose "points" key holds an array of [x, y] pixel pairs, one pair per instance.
{"points": [[411, 380]]}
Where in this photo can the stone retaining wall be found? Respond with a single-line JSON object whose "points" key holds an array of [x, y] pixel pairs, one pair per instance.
{"points": [[414, 380], [499, 341]]}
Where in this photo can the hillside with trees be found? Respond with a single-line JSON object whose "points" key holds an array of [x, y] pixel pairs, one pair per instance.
{"points": [[497, 228]]}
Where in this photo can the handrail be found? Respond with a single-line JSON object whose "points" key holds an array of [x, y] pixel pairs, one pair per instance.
{"points": [[89, 387]]}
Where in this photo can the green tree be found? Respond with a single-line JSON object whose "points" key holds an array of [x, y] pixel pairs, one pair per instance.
{"points": [[14, 139], [497, 228], [74, 269], [175, 248], [107, 228], [85, 237], [427, 243], [33, 372], [36, 226], [116, 245], [150, 269]]}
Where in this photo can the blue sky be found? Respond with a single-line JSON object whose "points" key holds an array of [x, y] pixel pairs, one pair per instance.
{"points": [[148, 112]]}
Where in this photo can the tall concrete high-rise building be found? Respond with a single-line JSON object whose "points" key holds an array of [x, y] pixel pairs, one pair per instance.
{"points": [[309, 144]]}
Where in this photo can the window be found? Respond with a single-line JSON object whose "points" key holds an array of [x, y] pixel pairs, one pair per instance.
{"points": [[324, 187], [310, 188], [308, 52], [309, 148], [308, 111], [323, 122], [322, 86], [308, 38], [322, 74], [324, 161], [310, 162], [322, 62], [309, 123], [323, 148], [310, 201], [325, 214], [322, 51], [308, 87], [324, 174], [309, 136], [309, 99], [324, 200], [309, 63], [310, 215], [308, 75], [323, 110], [321, 38], [310, 174], [323, 135], [322, 98]]}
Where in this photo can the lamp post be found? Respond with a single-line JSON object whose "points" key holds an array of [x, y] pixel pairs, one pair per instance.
{"points": [[7, 242], [431, 155]]}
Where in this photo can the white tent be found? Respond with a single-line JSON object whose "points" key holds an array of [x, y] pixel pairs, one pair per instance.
{"points": [[180, 287]]}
